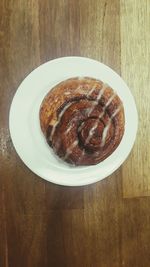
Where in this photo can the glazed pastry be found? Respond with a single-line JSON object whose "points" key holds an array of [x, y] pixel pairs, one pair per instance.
{"points": [[82, 120]]}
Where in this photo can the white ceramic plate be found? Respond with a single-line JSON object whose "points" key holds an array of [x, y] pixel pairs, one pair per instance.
{"points": [[25, 129]]}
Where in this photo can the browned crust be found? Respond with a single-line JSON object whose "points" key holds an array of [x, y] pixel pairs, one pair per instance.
{"points": [[76, 90]]}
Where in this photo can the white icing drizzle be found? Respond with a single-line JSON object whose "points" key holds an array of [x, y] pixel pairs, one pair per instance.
{"points": [[98, 98], [91, 132], [81, 156], [79, 87], [67, 93], [92, 90], [106, 105], [69, 128], [69, 149], [101, 115], [94, 104], [106, 129], [101, 91], [104, 135], [110, 100], [81, 126], [59, 118], [116, 111]]}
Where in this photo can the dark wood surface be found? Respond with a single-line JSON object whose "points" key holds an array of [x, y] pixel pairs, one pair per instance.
{"points": [[42, 224]]}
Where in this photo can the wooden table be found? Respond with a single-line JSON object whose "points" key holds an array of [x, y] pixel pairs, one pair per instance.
{"points": [[106, 224]]}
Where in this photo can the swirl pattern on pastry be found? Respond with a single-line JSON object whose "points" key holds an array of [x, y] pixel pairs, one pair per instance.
{"points": [[83, 120]]}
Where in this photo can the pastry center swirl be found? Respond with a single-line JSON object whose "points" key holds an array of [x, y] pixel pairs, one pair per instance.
{"points": [[90, 133]]}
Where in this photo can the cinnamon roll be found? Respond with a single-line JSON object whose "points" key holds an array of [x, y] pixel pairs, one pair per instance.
{"points": [[82, 120]]}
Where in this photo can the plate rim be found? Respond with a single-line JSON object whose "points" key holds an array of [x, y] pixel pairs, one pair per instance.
{"points": [[91, 180]]}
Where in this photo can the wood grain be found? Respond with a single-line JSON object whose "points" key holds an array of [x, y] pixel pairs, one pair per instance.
{"points": [[42, 224], [136, 232], [135, 54], [103, 214], [26, 240], [59, 28], [99, 40]]}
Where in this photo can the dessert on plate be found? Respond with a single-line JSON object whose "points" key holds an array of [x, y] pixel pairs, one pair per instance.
{"points": [[83, 120]]}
